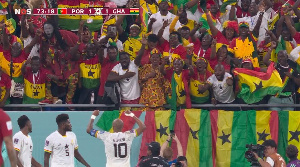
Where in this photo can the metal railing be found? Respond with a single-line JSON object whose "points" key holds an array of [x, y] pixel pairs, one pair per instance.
{"points": [[211, 106]]}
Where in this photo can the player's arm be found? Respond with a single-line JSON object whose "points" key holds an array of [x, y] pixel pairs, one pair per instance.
{"points": [[80, 158], [48, 150], [10, 150], [35, 163], [89, 128], [18, 159], [46, 159], [141, 125]]}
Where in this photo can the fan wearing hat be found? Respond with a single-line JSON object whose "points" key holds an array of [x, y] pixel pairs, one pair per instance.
{"points": [[14, 56], [157, 20], [153, 83], [181, 20], [153, 158], [245, 45], [133, 44]]}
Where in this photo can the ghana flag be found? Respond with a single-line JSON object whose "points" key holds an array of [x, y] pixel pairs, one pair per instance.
{"points": [[232, 130], [262, 125], [90, 71], [159, 124], [203, 19], [134, 11], [34, 93], [71, 22], [107, 118], [254, 86], [225, 3], [197, 136], [17, 65], [289, 131]]}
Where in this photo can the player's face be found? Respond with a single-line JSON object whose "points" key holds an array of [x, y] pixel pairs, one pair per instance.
{"points": [[29, 125], [68, 125]]}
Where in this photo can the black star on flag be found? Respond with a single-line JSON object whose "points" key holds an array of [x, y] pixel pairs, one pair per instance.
{"points": [[182, 93], [262, 136], [259, 86], [194, 133], [91, 74], [36, 93], [295, 135], [225, 138], [162, 130]]}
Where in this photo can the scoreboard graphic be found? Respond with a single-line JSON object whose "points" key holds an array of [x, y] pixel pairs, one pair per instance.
{"points": [[79, 11]]}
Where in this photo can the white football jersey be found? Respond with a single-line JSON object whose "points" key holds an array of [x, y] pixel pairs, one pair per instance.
{"points": [[117, 147], [23, 144], [61, 149]]}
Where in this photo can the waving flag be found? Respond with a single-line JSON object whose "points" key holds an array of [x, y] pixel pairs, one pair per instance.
{"points": [[254, 86], [107, 118], [289, 130], [225, 3]]}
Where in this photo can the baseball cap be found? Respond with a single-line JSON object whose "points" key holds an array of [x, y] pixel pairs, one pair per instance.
{"points": [[154, 147]]}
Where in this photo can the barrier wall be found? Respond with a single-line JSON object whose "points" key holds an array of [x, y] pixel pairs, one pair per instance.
{"points": [[91, 149]]}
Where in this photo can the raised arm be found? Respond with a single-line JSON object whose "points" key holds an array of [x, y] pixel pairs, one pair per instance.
{"points": [[295, 8], [24, 29], [179, 146], [165, 145], [267, 57], [6, 44], [288, 22], [23, 68], [258, 23], [213, 29], [137, 60], [141, 125], [90, 125], [35, 40], [10, 151], [161, 31], [279, 27]]}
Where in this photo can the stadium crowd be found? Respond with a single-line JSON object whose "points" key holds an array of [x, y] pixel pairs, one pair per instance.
{"points": [[173, 52]]}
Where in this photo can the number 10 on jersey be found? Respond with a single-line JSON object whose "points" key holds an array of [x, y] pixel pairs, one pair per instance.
{"points": [[120, 150]]}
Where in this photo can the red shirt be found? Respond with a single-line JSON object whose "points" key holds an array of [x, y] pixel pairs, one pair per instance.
{"points": [[5, 81], [240, 13], [106, 67], [39, 79], [221, 38], [297, 37], [6, 129]]}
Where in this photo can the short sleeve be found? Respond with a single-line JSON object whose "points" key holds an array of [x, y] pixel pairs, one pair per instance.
{"points": [[270, 161], [17, 142], [5, 124], [131, 134], [116, 69], [76, 143], [48, 145], [133, 64]]}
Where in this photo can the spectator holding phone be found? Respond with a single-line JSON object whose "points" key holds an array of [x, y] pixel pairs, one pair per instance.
{"points": [[167, 152]]}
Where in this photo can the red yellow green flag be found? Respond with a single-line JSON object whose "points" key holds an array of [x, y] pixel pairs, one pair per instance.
{"points": [[229, 138], [289, 130], [159, 124], [199, 146], [254, 86]]}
